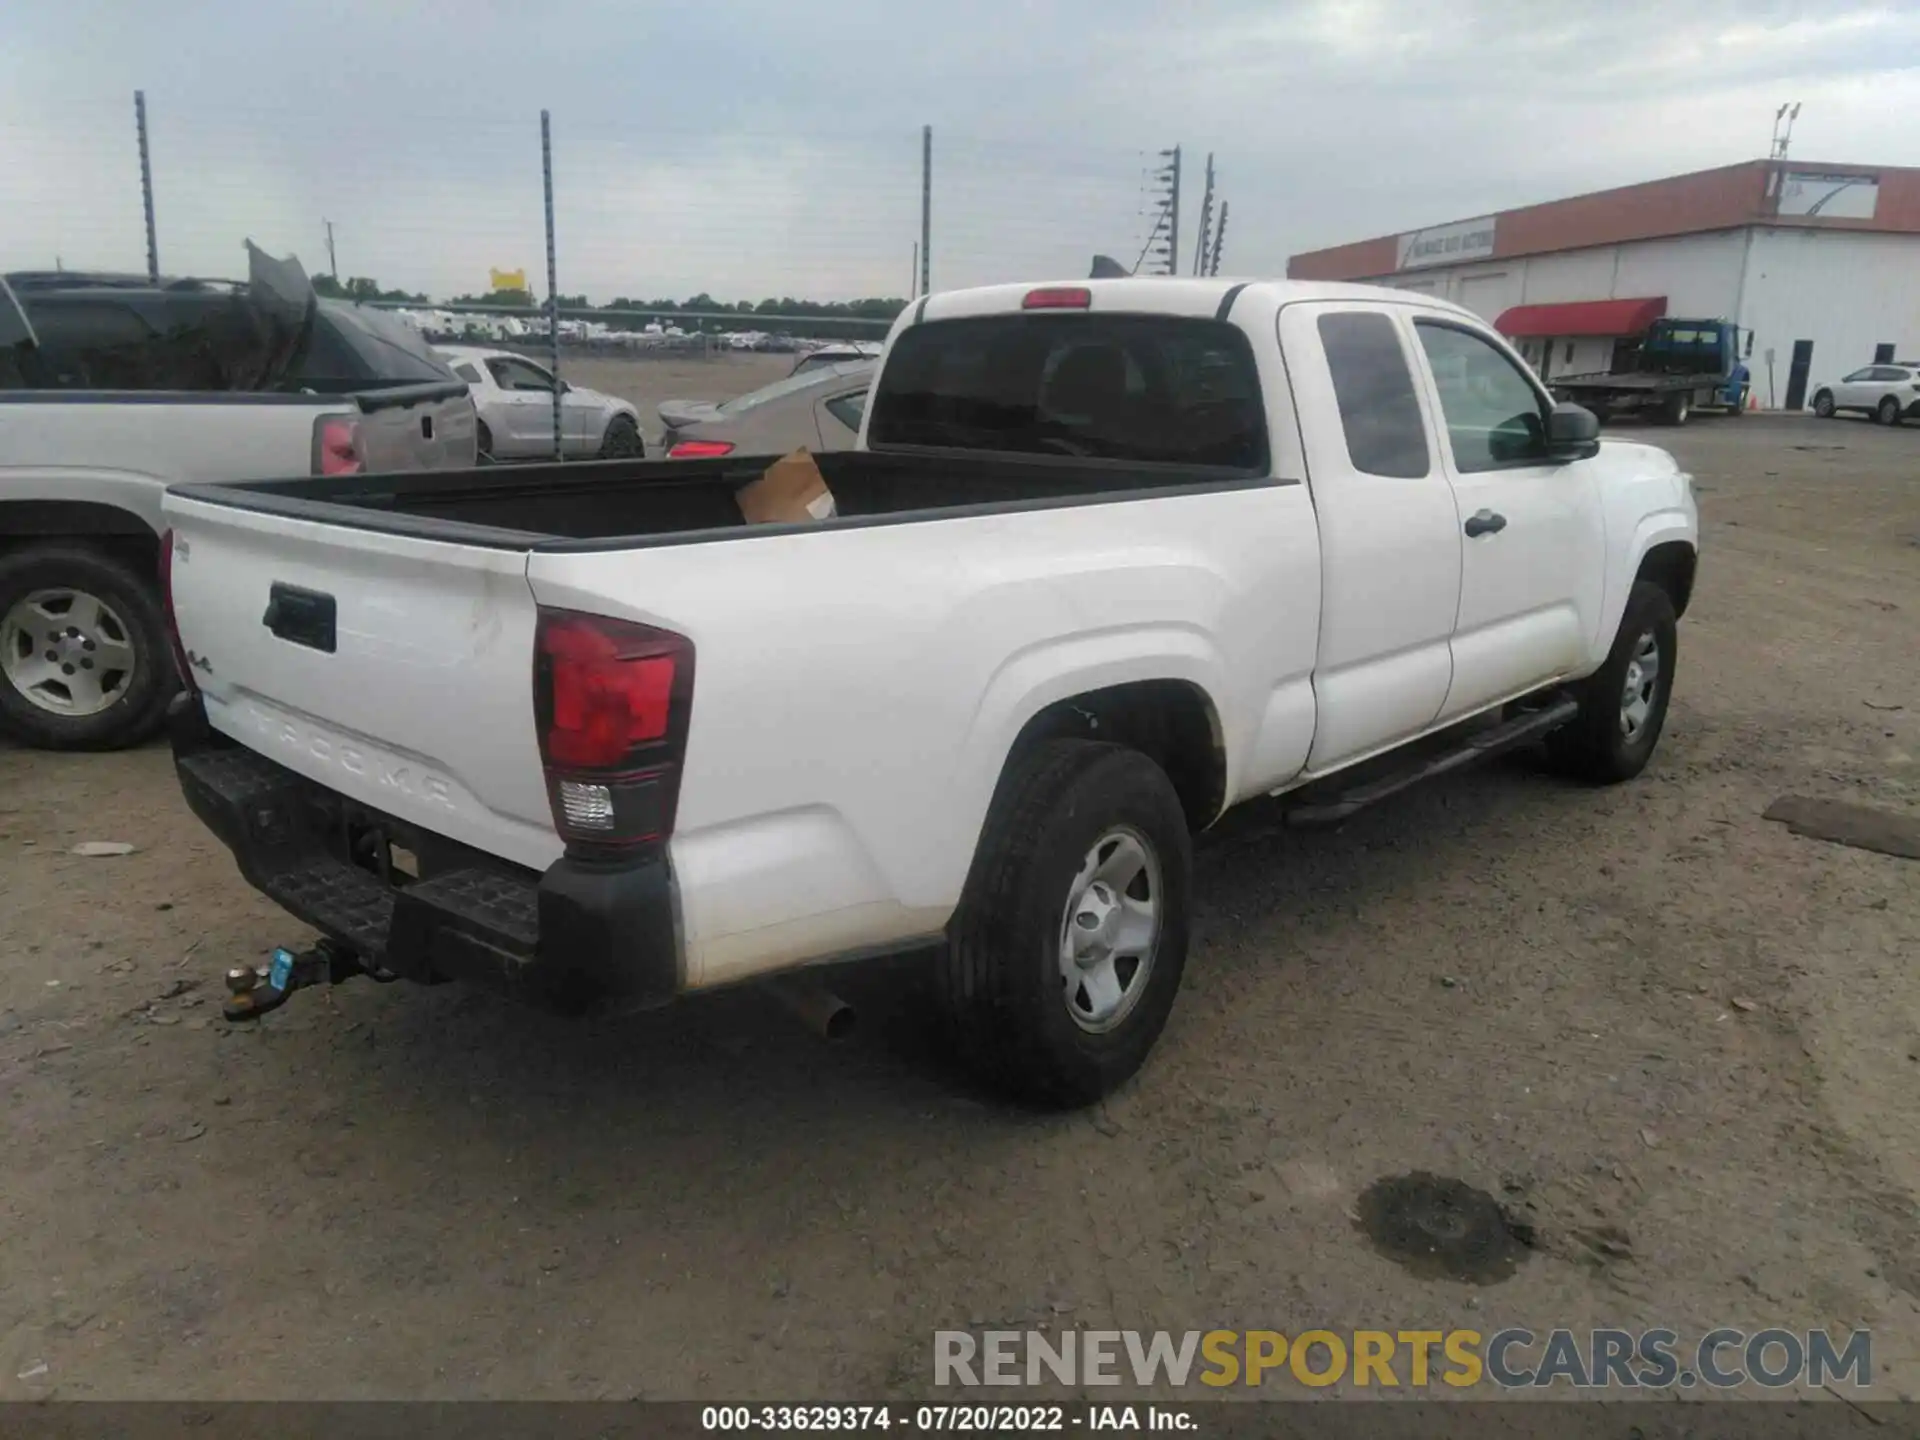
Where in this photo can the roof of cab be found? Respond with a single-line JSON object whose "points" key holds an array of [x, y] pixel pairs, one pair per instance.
{"points": [[1161, 295]]}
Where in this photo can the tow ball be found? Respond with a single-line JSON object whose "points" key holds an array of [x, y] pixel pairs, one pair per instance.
{"points": [[253, 990]]}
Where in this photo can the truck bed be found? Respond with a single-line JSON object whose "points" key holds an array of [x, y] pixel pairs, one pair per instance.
{"points": [[1642, 382], [630, 503]]}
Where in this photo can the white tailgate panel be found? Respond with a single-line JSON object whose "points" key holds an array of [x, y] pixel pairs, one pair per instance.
{"points": [[425, 708]]}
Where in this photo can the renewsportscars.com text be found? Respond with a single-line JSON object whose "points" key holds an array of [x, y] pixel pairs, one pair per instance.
{"points": [[1509, 1359]]}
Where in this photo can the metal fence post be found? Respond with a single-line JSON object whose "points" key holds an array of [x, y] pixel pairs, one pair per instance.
{"points": [[146, 182], [553, 290], [926, 209]]}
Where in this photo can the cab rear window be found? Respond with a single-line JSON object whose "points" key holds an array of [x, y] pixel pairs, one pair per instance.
{"points": [[1149, 389]]}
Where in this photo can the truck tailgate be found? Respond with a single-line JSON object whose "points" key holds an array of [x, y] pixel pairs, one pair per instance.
{"points": [[417, 427], [397, 671]]}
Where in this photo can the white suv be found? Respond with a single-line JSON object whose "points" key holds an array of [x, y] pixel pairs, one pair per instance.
{"points": [[1888, 392]]}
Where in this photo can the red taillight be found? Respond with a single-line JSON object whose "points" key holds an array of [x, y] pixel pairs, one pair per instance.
{"points": [[166, 610], [612, 700], [336, 446], [1058, 297], [700, 449]]}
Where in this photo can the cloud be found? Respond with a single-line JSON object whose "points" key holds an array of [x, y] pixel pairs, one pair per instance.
{"points": [[759, 148]]}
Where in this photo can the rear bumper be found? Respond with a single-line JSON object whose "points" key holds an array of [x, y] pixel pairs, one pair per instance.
{"points": [[582, 936]]}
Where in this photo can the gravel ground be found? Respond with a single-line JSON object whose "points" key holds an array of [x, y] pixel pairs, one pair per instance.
{"points": [[1679, 1042]]}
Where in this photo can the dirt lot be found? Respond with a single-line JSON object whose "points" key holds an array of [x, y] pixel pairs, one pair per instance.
{"points": [[1680, 1042]]}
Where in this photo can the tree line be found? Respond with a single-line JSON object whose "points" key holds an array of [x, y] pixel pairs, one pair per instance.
{"points": [[876, 308]]}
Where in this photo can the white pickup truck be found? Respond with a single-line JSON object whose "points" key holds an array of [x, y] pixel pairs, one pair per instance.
{"points": [[1111, 558], [111, 388]]}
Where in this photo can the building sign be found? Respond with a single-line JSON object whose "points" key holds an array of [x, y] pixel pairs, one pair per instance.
{"points": [[508, 279], [1833, 197], [1447, 244]]}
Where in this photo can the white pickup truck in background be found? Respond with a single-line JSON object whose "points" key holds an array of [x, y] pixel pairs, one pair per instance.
{"points": [[112, 387], [1112, 557]]}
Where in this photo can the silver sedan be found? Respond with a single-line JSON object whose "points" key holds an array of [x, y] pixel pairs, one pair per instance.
{"points": [[819, 408], [514, 399]]}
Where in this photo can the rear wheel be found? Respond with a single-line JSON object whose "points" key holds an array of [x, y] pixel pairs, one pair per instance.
{"points": [[1066, 954], [1678, 407], [1823, 405], [1888, 411], [84, 661], [622, 439], [1623, 705]]}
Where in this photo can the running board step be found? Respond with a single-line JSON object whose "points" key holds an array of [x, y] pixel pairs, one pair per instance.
{"points": [[1522, 729]]}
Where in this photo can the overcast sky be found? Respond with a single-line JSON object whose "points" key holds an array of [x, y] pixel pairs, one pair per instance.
{"points": [[772, 147]]}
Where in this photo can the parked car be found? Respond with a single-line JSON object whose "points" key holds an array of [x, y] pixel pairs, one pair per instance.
{"points": [[1112, 557], [112, 387], [838, 353], [1889, 393], [820, 409], [514, 398]]}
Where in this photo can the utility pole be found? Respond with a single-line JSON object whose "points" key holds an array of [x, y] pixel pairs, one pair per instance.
{"points": [[1219, 238], [333, 266], [1166, 217], [1783, 119], [913, 275], [926, 209], [146, 182], [1206, 221], [1173, 218]]}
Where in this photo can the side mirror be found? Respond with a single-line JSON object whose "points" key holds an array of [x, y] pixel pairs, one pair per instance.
{"points": [[1573, 432]]}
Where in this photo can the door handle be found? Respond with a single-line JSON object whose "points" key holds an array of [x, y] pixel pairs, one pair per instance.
{"points": [[1485, 522]]}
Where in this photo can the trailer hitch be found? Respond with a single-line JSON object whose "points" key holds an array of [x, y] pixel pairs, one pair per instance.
{"points": [[253, 990]]}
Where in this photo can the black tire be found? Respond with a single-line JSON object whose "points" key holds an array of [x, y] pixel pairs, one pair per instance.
{"points": [[1823, 405], [1000, 981], [622, 440], [1887, 412], [133, 605], [1678, 407], [1595, 745]]}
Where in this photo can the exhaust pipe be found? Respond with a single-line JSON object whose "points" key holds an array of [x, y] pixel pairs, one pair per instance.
{"points": [[816, 1007]]}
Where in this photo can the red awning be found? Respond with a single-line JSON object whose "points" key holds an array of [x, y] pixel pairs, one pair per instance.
{"points": [[1581, 317]]}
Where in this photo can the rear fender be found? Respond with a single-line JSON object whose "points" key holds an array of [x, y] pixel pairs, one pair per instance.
{"points": [[1056, 670]]}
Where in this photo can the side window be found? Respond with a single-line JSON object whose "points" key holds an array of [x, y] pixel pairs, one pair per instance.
{"points": [[467, 373], [1492, 412], [848, 409], [519, 375], [1374, 389], [1887, 372], [98, 345], [1858, 376]]}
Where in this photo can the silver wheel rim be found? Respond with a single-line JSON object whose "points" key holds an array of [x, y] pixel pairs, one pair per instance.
{"points": [[67, 652], [1110, 930], [1643, 678]]}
